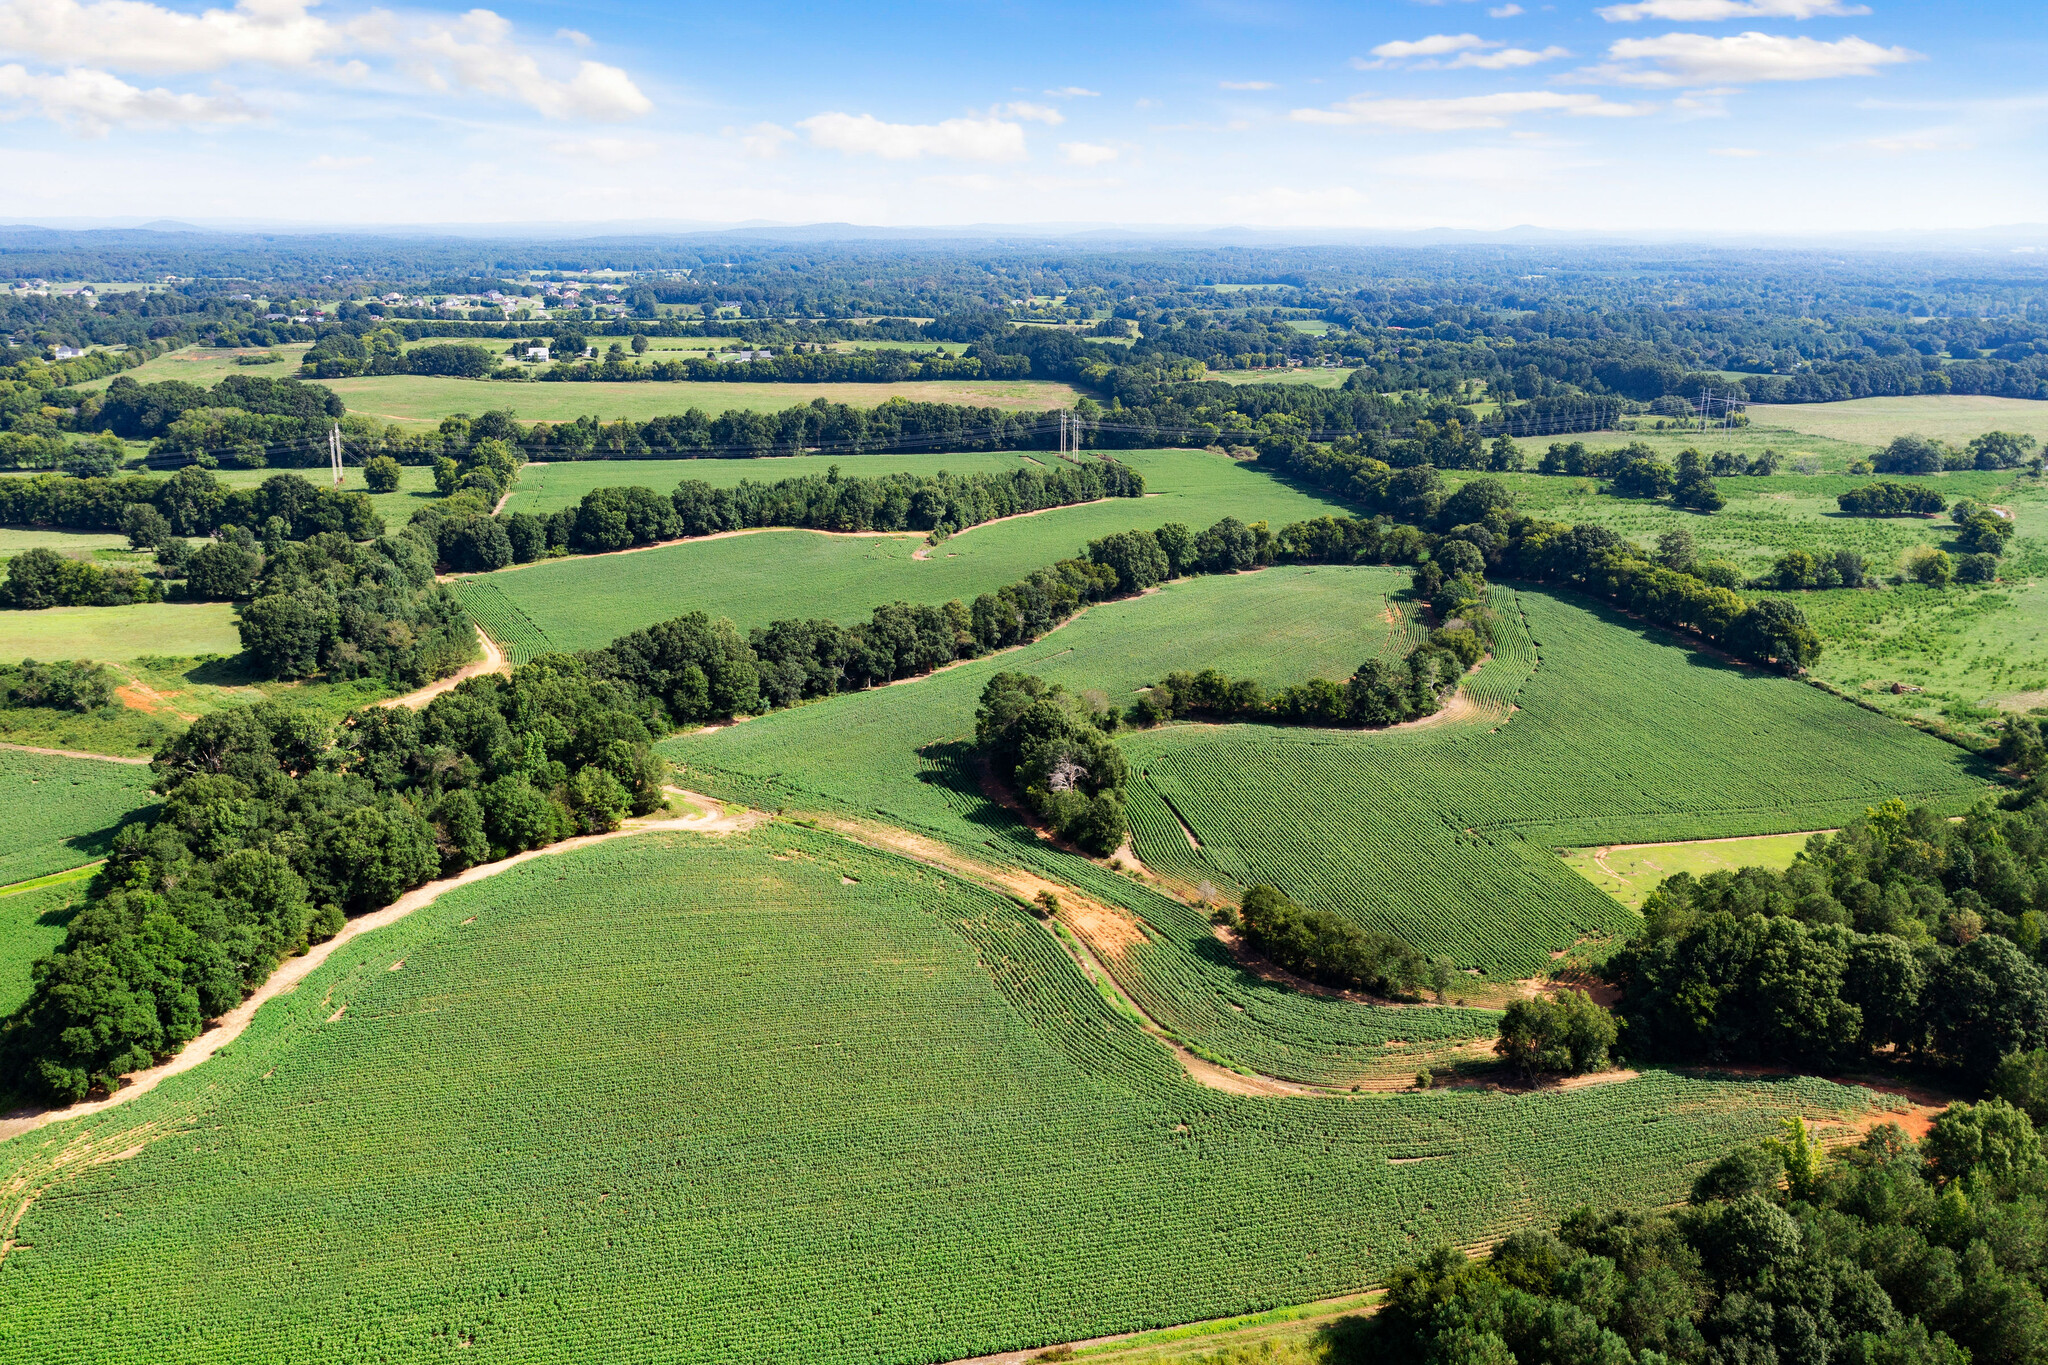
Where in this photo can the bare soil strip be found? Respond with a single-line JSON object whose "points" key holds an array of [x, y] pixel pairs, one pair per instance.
{"points": [[292, 971], [492, 662], [75, 753]]}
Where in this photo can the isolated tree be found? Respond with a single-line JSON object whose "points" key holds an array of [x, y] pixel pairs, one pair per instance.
{"points": [[382, 474], [1565, 1035]]}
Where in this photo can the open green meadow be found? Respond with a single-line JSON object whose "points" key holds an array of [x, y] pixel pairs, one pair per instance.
{"points": [[1314, 376], [1630, 872], [207, 366], [1798, 451], [423, 400], [415, 487], [106, 547], [180, 628], [541, 488], [771, 1097], [585, 602], [61, 812]]}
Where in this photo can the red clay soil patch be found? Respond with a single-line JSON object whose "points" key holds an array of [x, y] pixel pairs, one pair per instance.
{"points": [[141, 697]]}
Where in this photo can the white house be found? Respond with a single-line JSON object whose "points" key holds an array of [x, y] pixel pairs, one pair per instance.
{"points": [[537, 353], [69, 352]]}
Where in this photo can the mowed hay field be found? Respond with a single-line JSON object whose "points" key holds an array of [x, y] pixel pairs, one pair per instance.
{"points": [[61, 812], [1875, 421], [542, 488], [768, 1097], [168, 628], [585, 602], [1440, 833], [423, 400]]}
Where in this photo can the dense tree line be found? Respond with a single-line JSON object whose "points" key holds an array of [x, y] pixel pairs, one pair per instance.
{"points": [[1881, 1253], [274, 828], [1381, 692], [1888, 498], [608, 519], [349, 609], [191, 502], [1905, 934]]}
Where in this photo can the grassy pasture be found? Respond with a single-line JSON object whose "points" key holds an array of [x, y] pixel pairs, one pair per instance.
{"points": [[180, 628], [104, 546], [1630, 872], [32, 922], [771, 1097], [542, 488], [415, 486], [62, 811], [581, 603], [1827, 454], [1314, 376], [1874, 421], [207, 366], [423, 400]]}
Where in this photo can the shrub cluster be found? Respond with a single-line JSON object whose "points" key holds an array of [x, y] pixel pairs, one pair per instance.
{"points": [[1323, 946], [1888, 498], [79, 685], [41, 578], [1054, 750]]}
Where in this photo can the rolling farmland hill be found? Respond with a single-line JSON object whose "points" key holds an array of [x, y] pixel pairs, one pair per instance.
{"points": [[773, 1097]]}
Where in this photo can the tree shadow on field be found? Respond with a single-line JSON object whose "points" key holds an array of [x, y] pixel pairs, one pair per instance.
{"points": [[955, 765]]}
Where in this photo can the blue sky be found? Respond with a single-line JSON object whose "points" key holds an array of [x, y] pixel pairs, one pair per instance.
{"points": [[1722, 115]]}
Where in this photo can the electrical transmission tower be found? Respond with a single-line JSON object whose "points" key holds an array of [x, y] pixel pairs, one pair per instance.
{"points": [[334, 449]]}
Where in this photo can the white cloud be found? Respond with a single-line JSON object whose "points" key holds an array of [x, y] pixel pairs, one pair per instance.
{"points": [[763, 140], [1714, 11], [329, 162], [130, 35], [1074, 92], [1508, 58], [1245, 85], [1696, 59], [967, 139], [1087, 153], [1929, 140], [1462, 112], [1435, 45], [1503, 11], [1739, 153], [576, 36], [93, 102], [1031, 113], [605, 151], [476, 52]]}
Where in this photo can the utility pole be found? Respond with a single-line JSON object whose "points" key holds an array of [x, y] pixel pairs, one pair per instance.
{"points": [[334, 449]]}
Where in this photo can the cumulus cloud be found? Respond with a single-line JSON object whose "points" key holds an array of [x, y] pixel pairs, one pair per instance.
{"points": [[1031, 113], [130, 35], [1467, 50], [1087, 153], [1074, 92], [964, 139], [571, 35], [476, 52], [1714, 11], [1245, 85], [1507, 58], [1462, 112], [1745, 58], [1504, 11], [94, 102]]}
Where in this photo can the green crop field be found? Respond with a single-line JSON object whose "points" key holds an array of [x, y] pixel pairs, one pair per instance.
{"points": [[206, 366], [1442, 833], [582, 603], [182, 628], [1874, 421], [1630, 872], [107, 547], [32, 922], [541, 488], [774, 1097], [423, 400], [1797, 450], [62, 811]]}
